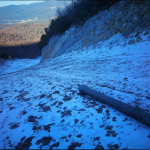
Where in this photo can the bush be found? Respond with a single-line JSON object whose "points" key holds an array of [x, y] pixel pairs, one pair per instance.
{"points": [[74, 14]]}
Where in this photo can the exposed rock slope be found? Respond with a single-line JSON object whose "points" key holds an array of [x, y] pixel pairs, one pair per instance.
{"points": [[127, 18]]}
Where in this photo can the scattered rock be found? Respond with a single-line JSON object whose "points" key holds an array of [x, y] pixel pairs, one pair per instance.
{"points": [[56, 92], [113, 146], [62, 121], [60, 103], [47, 127], [114, 118], [49, 96], [126, 79], [64, 137], [82, 121], [98, 147], [10, 108], [67, 98], [103, 85], [100, 109], [108, 127], [1, 99], [32, 118], [42, 96], [102, 125], [54, 103], [107, 134], [74, 145], [79, 135], [148, 97], [81, 109], [73, 92], [76, 121], [129, 124], [41, 105], [66, 113], [45, 141], [24, 145], [65, 108], [53, 87], [107, 114], [113, 133], [54, 145], [107, 111], [96, 139], [46, 108], [21, 96], [23, 138], [69, 135], [125, 119], [93, 104], [14, 126], [5, 91], [23, 112], [36, 128]]}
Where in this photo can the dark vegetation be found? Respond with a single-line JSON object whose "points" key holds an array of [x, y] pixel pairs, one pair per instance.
{"points": [[2, 26], [20, 41], [21, 34], [25, 51], [76, 14]]}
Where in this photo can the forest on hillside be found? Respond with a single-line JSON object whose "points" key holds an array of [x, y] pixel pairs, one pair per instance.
{"points": [[2, 26], [22, 34], [20, 41]]}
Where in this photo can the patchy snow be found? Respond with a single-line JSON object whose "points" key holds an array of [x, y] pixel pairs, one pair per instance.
{"points": [[41, 106], [13, 65]]}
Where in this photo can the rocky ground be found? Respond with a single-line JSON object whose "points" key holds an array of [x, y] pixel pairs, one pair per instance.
{"points": [[41, 107]]}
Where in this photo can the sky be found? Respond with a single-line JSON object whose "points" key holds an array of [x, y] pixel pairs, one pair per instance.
{"points": [[7, 3]]}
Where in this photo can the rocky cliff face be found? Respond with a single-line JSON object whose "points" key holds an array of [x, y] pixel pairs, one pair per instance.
{"points": [[128, 18]]}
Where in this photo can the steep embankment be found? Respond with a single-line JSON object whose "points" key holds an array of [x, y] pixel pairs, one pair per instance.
{"points": [[41, 106], [127, 18]]}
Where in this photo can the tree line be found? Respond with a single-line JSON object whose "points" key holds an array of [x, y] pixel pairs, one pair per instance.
{"points": [[21, 34]]}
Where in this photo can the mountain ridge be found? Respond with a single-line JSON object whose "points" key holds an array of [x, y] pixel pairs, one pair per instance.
{"points": [[35, 10]]}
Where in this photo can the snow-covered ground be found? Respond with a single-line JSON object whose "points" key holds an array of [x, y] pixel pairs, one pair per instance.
{"points": [[41, 106], [13, 65]]}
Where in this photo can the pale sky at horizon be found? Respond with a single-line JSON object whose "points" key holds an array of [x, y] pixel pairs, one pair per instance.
{"points": [[7, 3]]}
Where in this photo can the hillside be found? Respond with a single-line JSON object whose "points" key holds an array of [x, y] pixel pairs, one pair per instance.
{"points": [[41, 106], [22, 34], [2, 26], [36, 11], [20, 41], [127, 18]]}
